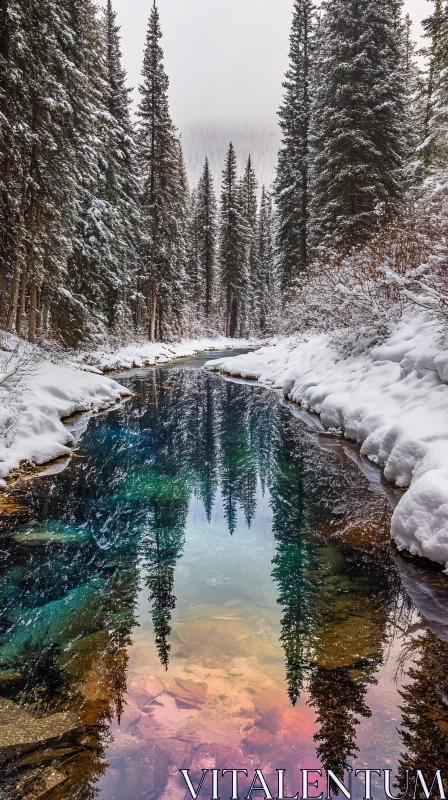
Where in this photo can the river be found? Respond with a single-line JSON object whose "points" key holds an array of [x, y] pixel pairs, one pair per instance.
{"points": [[211, 583]]}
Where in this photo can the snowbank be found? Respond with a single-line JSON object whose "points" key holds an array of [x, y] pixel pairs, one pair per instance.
{"points": [[147, 354], [393, 402], [30, 425]]}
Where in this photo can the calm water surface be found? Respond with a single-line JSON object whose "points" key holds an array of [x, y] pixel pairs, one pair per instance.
{"points": [[211, 583]]}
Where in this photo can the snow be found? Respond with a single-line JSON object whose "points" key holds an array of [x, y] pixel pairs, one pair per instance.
{"points": [[147, 354], [393, 401], [51, 393]]}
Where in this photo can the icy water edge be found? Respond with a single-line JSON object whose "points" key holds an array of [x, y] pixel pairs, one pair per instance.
{"points": [[211, 584]]}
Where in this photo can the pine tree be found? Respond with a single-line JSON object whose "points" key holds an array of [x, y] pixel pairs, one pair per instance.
{"points": [[163, 197], [37, 160], [90, 262], [292, 181], [193, 258], [207, 233], [233, 246], [249, 202], [434, 148], [266, 286], [121, 186], [359, 137], [416, 97], [202, 237], [14, 55]]}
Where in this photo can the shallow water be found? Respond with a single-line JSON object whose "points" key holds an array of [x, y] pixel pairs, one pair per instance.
{"points": [[210, 583]]}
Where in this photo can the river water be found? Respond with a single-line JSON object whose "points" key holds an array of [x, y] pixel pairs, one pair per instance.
{"points": [[210, 584]]}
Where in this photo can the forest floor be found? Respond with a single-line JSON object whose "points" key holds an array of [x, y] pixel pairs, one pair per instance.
{"points": [[393, 401]]}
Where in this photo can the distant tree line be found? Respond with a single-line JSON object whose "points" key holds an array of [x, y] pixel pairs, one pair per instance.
{"points": [[99, 232]]}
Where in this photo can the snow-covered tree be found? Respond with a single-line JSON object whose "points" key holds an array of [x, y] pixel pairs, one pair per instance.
{"points": [[233, 241], [292, 182], [249, 203], [207, 222], [359, 134], [163, 197], [121, 184], [193, 258], [37, 159], [434, 148], [91, 263], [267, 284]]}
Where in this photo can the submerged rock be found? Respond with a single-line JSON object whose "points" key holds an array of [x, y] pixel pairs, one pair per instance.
{"points": [[20, 732], [187, 693], [144, 690]]}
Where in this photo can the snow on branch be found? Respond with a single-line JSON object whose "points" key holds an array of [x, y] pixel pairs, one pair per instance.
{"points": [[360, 297]]}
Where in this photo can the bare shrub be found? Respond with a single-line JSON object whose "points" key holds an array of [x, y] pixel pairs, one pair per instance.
{"points": [[360, 298], [19, 364]]}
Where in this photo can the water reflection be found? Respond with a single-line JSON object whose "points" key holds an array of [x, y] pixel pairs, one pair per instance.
{"points": [[207, 584]]}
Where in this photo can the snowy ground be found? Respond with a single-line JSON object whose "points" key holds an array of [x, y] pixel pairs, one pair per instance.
{"points": [[31, 429], [393, 402], [146, 354]]}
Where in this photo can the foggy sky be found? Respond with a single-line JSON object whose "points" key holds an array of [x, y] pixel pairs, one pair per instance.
{"points": [[226, 58]]}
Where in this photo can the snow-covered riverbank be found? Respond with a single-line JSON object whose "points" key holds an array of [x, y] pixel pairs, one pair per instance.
{"points": [[31, 427], [36, 394], [148, 354], [393, 402]]}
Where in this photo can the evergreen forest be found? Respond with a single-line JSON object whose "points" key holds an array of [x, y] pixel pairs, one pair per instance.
{"points": [[103, 239]]}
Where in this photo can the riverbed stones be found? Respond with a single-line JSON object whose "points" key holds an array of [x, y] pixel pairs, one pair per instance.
{"points": [[143, 777], [211, 756], [130, 715], [267, 699], [144, 690], [258, 741], [124, 745], [188, 694], [20, 732]]}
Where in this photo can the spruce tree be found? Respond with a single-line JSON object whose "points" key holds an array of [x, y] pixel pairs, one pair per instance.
{"points": [[415, 87], [434, 148], [163, 197], [207, 232], [121, 185], [266, 286], [14, 55], [292, 181], [359, 137], [38, 168], [249, 202], [91, 267], [233, 246], [193, 258]]}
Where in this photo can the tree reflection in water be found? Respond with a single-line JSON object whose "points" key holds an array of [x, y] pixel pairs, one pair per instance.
{"points": [[117, 520], [425, 708], [338, 587]]}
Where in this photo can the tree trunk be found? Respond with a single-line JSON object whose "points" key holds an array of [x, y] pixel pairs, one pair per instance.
{"points": [[22, 303], [4, 304], [44, 317], [229, 299], [12, 314], [33, 314], [153, 315]]}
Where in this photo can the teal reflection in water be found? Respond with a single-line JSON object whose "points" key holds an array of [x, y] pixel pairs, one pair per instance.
{"points": [[208, 583]]}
